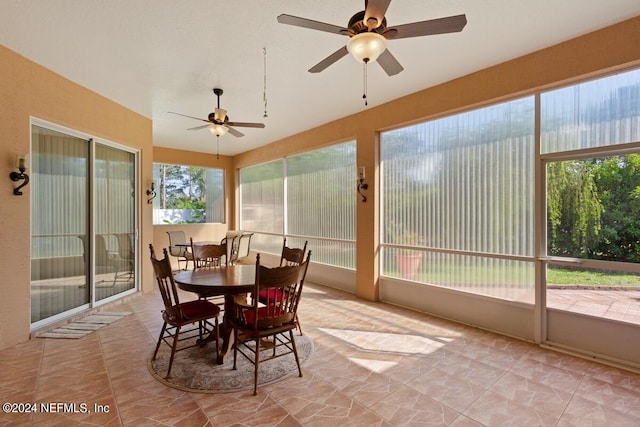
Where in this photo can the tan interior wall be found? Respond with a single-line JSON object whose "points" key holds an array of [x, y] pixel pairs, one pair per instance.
{"points": [[29, 90], [604, 51]]}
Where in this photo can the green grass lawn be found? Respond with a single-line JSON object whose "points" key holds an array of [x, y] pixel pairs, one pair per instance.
{"points": [[451, 273], [559, 276]]}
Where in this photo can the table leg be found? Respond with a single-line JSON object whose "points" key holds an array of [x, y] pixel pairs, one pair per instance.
{"points": [[224, 329]]}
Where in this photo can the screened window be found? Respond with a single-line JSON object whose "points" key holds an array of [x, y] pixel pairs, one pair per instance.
{"points": [[188, 194], [308, 197], [321, 202], [457, 201], [592, 203], [262, 204], [593, 194], [593, 208], [593, 114]]}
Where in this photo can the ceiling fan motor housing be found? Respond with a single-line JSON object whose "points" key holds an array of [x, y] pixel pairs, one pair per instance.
{"points": [[212, 118], [357, 25]]}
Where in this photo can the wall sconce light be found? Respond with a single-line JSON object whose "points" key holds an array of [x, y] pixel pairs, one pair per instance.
{"points": [[151, 192], [361, 184], [15, 176]]}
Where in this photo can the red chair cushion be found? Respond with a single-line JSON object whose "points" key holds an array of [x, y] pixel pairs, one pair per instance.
{"points": [[199, 308], [263, 312], [274, 295]]}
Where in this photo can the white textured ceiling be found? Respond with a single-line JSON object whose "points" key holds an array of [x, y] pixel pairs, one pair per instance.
{"points": [[156, 56]]}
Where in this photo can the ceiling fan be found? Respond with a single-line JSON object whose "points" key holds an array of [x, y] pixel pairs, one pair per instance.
{"points": [[368, 33], [218, 122]]}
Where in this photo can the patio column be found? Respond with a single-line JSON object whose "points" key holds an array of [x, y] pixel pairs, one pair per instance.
{"points": [[367, 219]]}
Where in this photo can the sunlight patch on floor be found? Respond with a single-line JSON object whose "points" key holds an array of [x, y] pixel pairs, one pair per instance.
{"points": [[377, 366], [387, 342]]}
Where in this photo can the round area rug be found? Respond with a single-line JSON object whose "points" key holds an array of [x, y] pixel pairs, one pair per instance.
{"points": [[195, 370]]}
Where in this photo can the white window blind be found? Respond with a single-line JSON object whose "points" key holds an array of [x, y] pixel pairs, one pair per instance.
{"points": [[457, 196]]}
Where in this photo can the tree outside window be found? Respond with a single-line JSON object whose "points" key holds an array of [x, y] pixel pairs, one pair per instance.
{"points": [[188, 194]]}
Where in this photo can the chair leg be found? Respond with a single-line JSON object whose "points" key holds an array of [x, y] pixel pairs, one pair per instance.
{"points": [[275, 345], [173, 350], [295, 351], [155, 353], [257, 365], [217, 339], [115, 275], [235, 347], [299, 325]]}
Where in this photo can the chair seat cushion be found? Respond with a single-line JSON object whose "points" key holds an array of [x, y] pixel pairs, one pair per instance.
{"points": [[199, 308], [273, 295], [263, 312]]}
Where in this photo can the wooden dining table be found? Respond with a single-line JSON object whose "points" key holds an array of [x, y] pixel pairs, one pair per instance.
{"points": [[200, 242], [211, 282]]}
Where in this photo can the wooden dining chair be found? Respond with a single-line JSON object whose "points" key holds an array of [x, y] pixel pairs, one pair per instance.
{"points": [[292, 256], [252, 321], [289, 256], [182, 252], [195, 315], [209, 254]]}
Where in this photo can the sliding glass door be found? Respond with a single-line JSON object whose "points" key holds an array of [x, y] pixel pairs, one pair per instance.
{"points": [[59, 226], [83, 232], [114, 213]]}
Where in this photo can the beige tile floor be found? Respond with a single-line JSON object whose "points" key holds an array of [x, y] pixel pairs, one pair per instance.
{"points": [[374, 365]]}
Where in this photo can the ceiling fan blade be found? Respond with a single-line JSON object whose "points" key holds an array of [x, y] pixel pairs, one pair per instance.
{"points": [[191, 117], [245, 124], [375, 9], [329, 60], [311, 24], [198, 127], [389, 63], [451, 24], [234, 132]]}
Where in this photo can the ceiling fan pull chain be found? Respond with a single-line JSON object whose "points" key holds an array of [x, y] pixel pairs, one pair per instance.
{"points": [[217, 147], [364, 82], [264, 93]]}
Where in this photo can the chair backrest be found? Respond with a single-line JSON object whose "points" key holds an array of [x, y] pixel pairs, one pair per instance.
{"points": [[240, 245], [244, 245], [102, 256], [177, 237], [282, 288], [209, 251], [125, 246], [166, 284], [292, 256]]}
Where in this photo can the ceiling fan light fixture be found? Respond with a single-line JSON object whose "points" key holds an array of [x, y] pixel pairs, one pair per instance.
{"points": [[217, 130], [367, 46]]}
